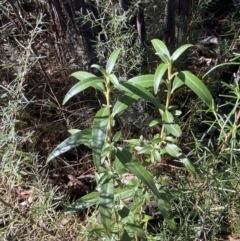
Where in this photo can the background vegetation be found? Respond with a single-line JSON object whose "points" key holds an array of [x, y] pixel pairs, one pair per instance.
{"points": [[43, 42]]}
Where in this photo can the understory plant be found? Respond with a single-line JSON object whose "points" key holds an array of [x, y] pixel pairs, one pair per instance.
{"points": [[124, 185]]}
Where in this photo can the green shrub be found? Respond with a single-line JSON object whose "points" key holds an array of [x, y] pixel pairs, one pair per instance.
{"points": [[113, 161]]}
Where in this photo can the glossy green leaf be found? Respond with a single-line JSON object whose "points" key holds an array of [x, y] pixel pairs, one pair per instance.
{"points": [[106, 205], [101, 69], [118, 167], [124, 102], [103, 178], [145, 81], [84, 202], [81, 75], [157, 155], [81, 137], [187, 163], [179, 51], [125, 236], [123, 192], [138, 230], [177, 83], [171, 126], [113, 78], [155, 122], [112, 60], [93, 198], [158, 77], [143, 149], [173, 150], [99, 132], [197, 86], [94, 82], [133, 165], [161, 50], [142, 92], [73, 131]]}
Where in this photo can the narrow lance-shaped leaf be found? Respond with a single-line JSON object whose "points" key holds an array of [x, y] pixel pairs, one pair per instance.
{"points": [[101, 69], [197, 86], [145, 81], [81, 137], [161, 50], [168, 121], [131, 163], [179, 51], [81, 75], [93, 198], [99, 132], [177, 83], [94, 82], [172, 149], [83, 203], [112, 60], [113, 78], [106, 205], [124, 102], [142, 92], [158, 78], [187, 163], [138, 230], [175, 151], [220, 65]]}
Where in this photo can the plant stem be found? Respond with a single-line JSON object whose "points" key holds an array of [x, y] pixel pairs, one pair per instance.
{"points": [[169, 94]]}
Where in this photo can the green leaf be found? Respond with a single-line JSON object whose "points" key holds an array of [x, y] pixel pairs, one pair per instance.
{"points": [[124, 102], [103, 178], [125, 236], [145, 81], [197, 86], [73, 131], [117, 136], [140, 91], [155, 122], [84, 202], [112, 60], [94, 82], [132, 164], [114, 80], [161, 69], [93, 198], [81, 75], [168, 121], [179, 51], [177, 83], [157, 155], [161, 50], [106, 205], [138, 230], [143, 149], [81, 137], [187, 163], [118, 167], [124, 192], [101, 69], [173, 150], [99, 132]]}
